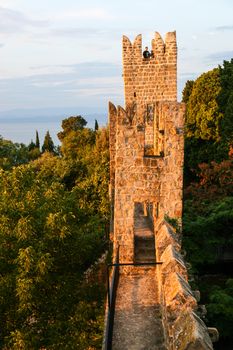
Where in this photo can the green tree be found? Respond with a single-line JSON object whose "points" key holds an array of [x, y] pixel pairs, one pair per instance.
{"points": [[12, 154], [95, 184], [202, 115], [96, 125], [71, 124], [34, 150], [204, 141], [48, 238], [31, 145], [37, 140], [225, 100], [48, 144], [187, 90], [220, 308], [52, 224], [77, 143]]}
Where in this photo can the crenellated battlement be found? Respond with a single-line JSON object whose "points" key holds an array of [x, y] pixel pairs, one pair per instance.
{"points": [[153, 78], [164, 51]]}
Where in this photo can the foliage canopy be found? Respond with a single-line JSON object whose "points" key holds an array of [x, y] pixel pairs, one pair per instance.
{"points": [[53, 212]]}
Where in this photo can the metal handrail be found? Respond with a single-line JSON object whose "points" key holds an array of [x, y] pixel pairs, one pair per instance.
{"points": [[137, 264], [112, 288]]}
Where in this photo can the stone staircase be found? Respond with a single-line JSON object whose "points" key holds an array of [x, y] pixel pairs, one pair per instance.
{"points": [[144, 249], [144, 239]]}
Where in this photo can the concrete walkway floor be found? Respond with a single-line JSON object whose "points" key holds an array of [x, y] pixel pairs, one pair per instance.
{"points": [[138, 323]]}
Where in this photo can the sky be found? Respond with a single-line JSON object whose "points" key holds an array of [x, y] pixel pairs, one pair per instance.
{"points": [[63, 57]]}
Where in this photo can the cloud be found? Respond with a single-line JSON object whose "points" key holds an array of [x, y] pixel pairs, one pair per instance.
{"points": [[12, 21], [1, 45], [218, 57], [76, 31], [85, 14], [183, 49], [88, 83], [224, 28], [81, 70], [96, 69], [188, 75], [85, 77], [96, 37]]}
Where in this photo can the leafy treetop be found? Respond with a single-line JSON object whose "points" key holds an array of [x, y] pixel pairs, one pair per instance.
{"points": [[71, 124], [202, 115]]}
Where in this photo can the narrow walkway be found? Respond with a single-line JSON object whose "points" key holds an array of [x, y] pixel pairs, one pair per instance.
{"points": [[144, 240], [138, 317], [138, 323], [142, 223]]}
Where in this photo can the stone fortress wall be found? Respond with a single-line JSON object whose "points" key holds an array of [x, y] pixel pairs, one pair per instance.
{"points": [[146, 169], [138, 178], [146, 139]]}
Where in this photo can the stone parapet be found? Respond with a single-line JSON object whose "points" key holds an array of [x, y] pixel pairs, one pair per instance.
{"points": [[172, 261], [186, 331], [190, 333]]}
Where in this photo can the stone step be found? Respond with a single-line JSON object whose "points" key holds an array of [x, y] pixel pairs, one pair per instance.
{"points": [[144, 239], [145, 254], [144, 249], [142, 255], [143, 259], [143, 233], [145, 243]]}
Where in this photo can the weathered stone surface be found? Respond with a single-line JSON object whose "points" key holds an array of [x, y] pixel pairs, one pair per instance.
{"points": [[154, 306], [147, 125], [166, 236], [138, 316], [144, 79], [177, 294], [173, 262], [190, 333], [213, 333]]}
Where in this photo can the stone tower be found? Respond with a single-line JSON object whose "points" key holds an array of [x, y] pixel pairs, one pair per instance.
{"points": [[154, 79], [146, 141]]}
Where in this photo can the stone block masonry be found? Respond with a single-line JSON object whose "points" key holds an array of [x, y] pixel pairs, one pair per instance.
{"points": [[146, 139], [154, 79], [146, 185], [136, 177]]}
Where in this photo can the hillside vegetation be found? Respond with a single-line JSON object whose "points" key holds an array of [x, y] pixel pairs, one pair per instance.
{"points": [[208, 194], [53, 213]]}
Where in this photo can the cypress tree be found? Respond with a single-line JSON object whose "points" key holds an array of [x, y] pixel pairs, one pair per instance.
{"points": [[37, 140], [48, 144], [96, 125]]}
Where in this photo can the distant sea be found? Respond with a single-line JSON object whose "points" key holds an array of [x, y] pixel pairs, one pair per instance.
{"points": [[25, 132], [20, 126]]}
